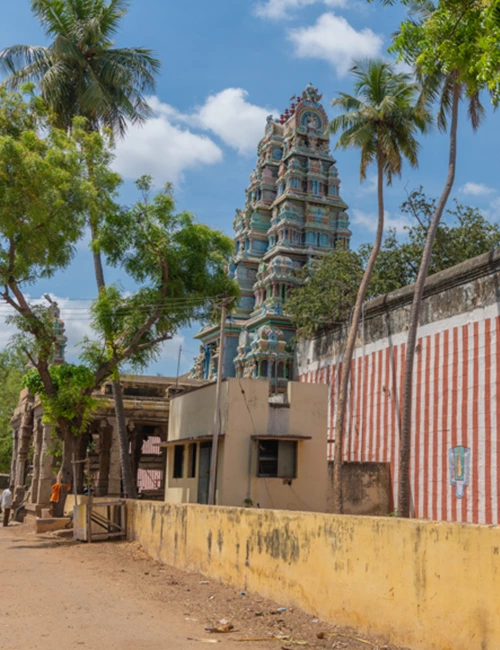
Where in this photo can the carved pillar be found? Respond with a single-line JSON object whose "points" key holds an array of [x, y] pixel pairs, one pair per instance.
{"points": [[37, 456], [25, 433], [115, 472], [15, 439], [46, 476], [105, 436]]}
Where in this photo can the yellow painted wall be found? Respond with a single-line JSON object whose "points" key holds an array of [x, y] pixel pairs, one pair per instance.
{"points": [[424, 585]]}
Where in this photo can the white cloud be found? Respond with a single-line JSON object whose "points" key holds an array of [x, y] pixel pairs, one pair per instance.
{"points": [[333, 39], [168, 144], [370, 186], [276, 9], [368, 220], [163, 149], [236, 121], [477, 189]]}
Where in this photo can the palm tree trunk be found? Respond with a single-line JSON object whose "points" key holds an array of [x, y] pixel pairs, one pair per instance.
{"points": [[129, 484], [404, 496], [338, 501]]}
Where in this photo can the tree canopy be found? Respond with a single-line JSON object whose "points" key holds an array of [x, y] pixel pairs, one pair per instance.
{"points": [[328, 293], [330, 285], [52, 179], [12, 368]]}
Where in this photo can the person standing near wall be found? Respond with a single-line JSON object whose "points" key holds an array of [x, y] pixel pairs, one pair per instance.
{"points": [[7, 504]]}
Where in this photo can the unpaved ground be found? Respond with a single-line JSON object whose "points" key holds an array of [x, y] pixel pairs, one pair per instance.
{"points": [[61, 594]]}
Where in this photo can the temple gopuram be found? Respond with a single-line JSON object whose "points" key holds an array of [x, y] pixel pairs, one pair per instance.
{"points": [[293, 214]]}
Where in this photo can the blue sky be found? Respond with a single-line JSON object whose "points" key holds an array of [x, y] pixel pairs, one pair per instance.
{"points": [[227, 64]]}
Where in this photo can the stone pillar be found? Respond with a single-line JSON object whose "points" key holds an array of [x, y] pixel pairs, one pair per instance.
{"points": [[115, 472], [24, 436], [46, 476], [15, 438], [102, 484], [37, 456]]}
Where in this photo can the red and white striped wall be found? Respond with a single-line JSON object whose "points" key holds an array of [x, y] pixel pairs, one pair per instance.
{"points": [[456, 399]]}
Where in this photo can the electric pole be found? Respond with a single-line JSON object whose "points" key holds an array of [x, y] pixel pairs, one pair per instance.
{"points": [[178, 366], [217, 419]]}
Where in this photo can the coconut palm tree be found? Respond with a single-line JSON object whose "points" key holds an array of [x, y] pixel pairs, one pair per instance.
{"points": [[451, 94], [382, 119], [82, 74], [447, 90]]}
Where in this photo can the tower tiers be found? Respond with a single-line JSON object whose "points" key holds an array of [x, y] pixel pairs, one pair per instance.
{"points": [[293, 213]]}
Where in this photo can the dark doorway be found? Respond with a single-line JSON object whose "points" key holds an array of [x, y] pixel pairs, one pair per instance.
{"points": [[204, 471]]}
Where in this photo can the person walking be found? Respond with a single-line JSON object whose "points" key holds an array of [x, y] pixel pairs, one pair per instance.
{"points": [[7, 504]]}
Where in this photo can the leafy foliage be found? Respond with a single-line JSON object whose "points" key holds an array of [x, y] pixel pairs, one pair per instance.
{"points": [[465, 233], [80, 72], [330, 285], [453, 35], [328, 292], [382, 118], [52, 183], [181, 265], [11, 375], [72, 401], [42, 203]]}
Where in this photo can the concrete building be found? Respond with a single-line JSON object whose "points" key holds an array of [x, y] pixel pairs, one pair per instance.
{"points": [[293, 214], [455, 445], [271, 449]]}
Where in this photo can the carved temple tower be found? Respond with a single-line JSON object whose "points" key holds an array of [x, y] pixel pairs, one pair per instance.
{"points": [[293, 213]]}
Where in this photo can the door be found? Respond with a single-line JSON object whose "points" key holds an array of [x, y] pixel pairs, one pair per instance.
{"points": [[204, 471]]}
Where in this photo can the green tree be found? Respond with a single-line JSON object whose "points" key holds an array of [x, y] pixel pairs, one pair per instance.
{"points": [[81, 72], [453, 35], [328, 292], [464, 233], [12, 368], [47, 193], [181, 262], [42, 216], [330, 284], [382, 119], [441, 42]]}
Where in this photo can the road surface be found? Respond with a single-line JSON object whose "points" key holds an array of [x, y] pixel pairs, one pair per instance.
{"points": [[107, 596]]}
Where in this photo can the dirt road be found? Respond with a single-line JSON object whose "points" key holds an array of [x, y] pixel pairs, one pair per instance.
{"points": [[61, 594]]}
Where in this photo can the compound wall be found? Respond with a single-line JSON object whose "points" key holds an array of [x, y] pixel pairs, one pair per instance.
{"points": [[455, 456], [423, 585]]}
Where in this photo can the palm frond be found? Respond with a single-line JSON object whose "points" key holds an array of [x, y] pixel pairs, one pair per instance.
{"points": [[17, 57], [81, 73], [475, 110], [382, 119], [53, 16]]}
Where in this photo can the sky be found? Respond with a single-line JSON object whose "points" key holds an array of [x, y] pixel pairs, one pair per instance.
{"points": [[226, 65]]}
